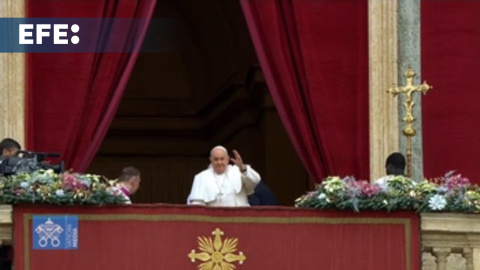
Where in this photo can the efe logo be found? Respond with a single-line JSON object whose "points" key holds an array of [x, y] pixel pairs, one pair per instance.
{"points": [[44, 30]]}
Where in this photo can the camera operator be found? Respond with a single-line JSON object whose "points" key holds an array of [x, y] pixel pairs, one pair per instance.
{"points": [[13, 160], [9, 147]]}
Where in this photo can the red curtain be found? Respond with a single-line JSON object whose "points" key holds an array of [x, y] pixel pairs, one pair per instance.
{"points": [[72, 97], [450, 62], [314, 55], [162, 237]]}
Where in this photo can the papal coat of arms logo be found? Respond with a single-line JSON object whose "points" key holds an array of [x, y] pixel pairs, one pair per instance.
{"points": [[49, 232]]}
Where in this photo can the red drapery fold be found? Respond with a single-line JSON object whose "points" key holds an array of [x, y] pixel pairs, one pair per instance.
{"points": [[72, 97], [314, 55], [450, 52]]}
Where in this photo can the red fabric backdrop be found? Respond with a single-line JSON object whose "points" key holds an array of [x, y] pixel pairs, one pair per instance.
{"points": [[450, 47], [161, 237], [314, 55], [72, 97]]}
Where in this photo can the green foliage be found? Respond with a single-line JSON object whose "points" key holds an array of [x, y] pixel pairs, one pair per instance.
{"points": [[47, 187], [451, 193]]}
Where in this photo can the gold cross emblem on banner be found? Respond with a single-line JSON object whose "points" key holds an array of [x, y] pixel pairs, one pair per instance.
{"points": [[217, 254]]}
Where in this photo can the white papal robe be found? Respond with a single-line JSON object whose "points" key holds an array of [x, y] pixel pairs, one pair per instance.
{"points": [[228, 189]]}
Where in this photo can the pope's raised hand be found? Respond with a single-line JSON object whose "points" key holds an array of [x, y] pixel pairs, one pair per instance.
{"points": [[237, 160]]}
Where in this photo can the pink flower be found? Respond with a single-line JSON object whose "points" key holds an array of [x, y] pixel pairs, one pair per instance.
{"points": [[456, 181], [71, 183], [364, 188], [19, 192], [370, 190]]}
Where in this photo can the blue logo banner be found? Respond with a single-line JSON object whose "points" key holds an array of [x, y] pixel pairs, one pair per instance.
{"points": [[55, 232], [88, 35]]}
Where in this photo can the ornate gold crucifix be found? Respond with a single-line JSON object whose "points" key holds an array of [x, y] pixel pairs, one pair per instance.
{"points": [[409, 89]]}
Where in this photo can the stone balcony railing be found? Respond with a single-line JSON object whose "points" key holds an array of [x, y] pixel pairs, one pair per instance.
{"points": [[449, 241]]}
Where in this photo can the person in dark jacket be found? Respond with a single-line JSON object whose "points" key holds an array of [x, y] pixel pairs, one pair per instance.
{"points": [[262, 195]]}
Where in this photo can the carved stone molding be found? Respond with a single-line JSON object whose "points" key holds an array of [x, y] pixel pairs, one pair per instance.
{"points": [[12, 81]]}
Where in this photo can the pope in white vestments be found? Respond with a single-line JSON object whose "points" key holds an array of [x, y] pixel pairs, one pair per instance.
{"points": [[222, 184]]}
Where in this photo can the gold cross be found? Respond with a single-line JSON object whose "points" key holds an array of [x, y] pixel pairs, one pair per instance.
{"points": [[217, 253], [408, 90]]}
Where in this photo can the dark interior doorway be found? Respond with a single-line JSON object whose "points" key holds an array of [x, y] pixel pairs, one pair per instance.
{"points": [[202, 88]]}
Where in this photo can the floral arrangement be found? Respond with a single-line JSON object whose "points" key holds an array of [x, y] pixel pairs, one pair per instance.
{"points": [[450, 193], [67, 188]]}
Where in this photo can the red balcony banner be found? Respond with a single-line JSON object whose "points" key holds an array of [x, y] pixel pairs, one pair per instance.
{"points": [[193, 237]]}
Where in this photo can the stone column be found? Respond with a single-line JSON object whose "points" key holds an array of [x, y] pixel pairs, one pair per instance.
{"points": [[12, 81], [468, 255], [409, 55], [441, 255], [476, 257], [382, 35]]}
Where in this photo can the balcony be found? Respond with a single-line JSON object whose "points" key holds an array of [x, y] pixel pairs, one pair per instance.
{"points": [[449, 241]]}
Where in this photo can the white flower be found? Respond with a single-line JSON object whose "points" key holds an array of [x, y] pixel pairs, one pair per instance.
{"points": [[46, 173], [383, 187], [442, 189], [24, 185], [59, 192], [322, 196], [437, 202]]}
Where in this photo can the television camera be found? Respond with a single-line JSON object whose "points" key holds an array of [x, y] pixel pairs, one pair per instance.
{"points": [[27, 161]]}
